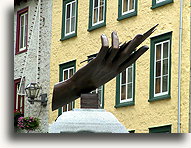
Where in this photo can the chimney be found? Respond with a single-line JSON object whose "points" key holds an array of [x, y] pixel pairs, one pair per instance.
{"points": [[90, 101]]}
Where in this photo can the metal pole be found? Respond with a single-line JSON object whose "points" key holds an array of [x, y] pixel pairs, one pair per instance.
{"points": [[179, 68]]}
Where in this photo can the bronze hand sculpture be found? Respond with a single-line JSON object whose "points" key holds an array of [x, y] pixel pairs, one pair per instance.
{"points": [[109, 62]]}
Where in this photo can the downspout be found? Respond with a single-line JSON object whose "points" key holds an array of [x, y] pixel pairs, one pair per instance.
{"points": [[179, 68], [190, 78]]}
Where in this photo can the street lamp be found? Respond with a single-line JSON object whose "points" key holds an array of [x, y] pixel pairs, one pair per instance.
{"points": [[32, 90]]}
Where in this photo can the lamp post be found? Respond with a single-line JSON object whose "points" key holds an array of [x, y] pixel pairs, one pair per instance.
{"points": [[32, 90]]}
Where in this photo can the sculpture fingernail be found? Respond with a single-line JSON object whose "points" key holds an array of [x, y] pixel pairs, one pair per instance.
{"points": [[104, 40]]}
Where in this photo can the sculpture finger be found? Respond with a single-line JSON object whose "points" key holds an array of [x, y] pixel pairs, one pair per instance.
{"points": [[114, 48], [138, 39], [121, 49], [132, 58], [127, 51], [149, 32], [124, 45], [105, 47]]}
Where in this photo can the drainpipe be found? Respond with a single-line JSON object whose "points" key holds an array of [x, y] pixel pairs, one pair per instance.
{"points": [[190, 80], [179, 68]]}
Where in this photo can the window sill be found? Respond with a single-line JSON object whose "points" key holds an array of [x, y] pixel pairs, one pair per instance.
{"points": [[96, 26], [164, 97], [125, 104], [161, 4], [68, 37], [19, 52], [128, 15]]}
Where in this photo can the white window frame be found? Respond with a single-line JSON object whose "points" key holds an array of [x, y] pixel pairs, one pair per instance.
{"points": [[161, 83], [128, 11], [24, 31], [19, 105], [120, 85], [99, 22], [96, 91], [68, 70], [159, 1], [70, 3]]}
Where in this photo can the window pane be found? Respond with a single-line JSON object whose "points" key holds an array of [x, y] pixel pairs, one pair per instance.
{"points": [[158, 68], [22, 20], [165, 50], [95, 3], [95, 15], [99, 96], [165, 66], [71, 73], [100, 93], [70, 106], [130, 74], [129, 91], [164, 83], [157, 85], [26, 27], [123, 92], [21, 103], [123, 77], [124, 5], [17, 97], [21, 37], [68, 11], [65, 75], [131, 4], [67, 26], [158, 52], [64, 108], [73, 24], [101, 2], [73, 9], [101, 13]]}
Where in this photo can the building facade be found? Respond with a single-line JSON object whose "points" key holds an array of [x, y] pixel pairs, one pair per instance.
{"points": [[32, 39], [147, 96]]}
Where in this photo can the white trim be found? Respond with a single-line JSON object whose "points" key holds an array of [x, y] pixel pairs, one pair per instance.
{"points": [[67, 69], [126, 84], [70, 32], [101, 94], [24, 31], [68, 72], [161, 75], [159, 1], [128, 11], [98, 13]]}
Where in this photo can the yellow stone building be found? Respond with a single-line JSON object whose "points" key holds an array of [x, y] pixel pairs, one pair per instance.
{"points": [[145, 98]]}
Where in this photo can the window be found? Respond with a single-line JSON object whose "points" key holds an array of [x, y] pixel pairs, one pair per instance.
{"points": [[19, 95], [158, 3], [69, 19], [99, 90], [127, 8], [66, 71], [160, 129], [97, 14], [125, 88], [160, 67], [22, 31]]}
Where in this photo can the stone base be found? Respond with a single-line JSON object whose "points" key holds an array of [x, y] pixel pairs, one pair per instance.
{"points": [[87, 121]]}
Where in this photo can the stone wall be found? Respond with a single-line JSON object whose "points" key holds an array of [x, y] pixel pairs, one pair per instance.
{"points": [[39, 41]]}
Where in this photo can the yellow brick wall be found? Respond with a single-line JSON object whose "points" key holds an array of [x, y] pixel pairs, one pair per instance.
{"points": [[143, 114]]}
